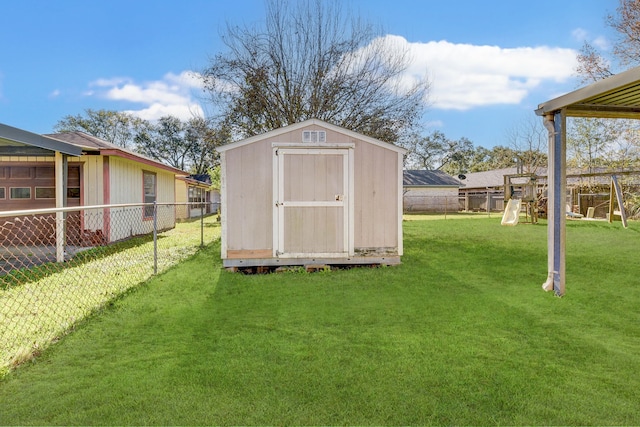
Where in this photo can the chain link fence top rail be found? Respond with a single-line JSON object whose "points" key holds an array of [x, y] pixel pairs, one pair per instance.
{"points": [[57, 266]]}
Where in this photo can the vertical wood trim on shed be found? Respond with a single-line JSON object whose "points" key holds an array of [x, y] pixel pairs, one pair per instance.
{"points": [[223, 205]]}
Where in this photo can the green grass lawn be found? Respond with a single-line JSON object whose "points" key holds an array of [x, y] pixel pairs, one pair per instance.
{"points": [[460, 333]]}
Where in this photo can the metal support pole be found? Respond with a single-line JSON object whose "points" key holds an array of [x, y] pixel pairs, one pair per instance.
{"points": [[556, 203], [61, 197], [202, 225], [155, 238]]}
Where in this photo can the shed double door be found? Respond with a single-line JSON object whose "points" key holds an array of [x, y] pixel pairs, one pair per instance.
{"points": [[313, 206]]}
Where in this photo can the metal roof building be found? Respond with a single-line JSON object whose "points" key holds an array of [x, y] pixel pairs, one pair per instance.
{"points": [[615, 97]]}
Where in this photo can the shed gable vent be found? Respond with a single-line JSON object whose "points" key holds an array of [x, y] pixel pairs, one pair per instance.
{"points": [[314, 136]]}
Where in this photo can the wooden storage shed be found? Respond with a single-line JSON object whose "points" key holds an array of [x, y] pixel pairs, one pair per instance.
{"points": [[311, 193]]}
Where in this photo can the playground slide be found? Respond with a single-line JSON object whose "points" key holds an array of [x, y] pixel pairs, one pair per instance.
{"points": [[511, 212]]}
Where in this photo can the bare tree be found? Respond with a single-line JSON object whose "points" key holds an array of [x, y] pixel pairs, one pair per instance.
{"points": [[626, 23], [606, 142], [314, 60], [528, 142], [593, 65]]}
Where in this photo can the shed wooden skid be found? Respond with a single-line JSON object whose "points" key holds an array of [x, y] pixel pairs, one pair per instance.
{"points": [[311, 193]]}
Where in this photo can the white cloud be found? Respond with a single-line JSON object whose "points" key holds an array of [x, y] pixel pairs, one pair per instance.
{"points": [[601, 42], [580, 34], [465, 76], [155, 111], [55, 93], [172, 95]]}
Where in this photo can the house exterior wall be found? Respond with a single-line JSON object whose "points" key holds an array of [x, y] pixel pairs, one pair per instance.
{"points": [[126, 186], [181, 192], [422, 199], [93, 180], [248, 201]]}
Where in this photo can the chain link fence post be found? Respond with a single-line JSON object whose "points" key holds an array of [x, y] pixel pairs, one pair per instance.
{"points": [[155, 238]]}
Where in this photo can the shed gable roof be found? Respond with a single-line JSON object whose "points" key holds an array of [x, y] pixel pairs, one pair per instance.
{"points": [[426, 178], [302, 125]]}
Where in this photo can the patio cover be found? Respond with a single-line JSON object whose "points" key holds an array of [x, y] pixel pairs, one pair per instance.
{"points": [[14, 141], [615, 97], [18, 142]]}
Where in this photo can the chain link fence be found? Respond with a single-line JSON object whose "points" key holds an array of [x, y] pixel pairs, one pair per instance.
{"points": [[57, 266]]}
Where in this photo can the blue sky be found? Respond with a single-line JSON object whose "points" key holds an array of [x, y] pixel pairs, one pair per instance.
{"points": [[490, 62]]}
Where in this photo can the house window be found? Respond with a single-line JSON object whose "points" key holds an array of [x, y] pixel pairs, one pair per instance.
{"points": [[73, 192], [45, 192], [196, 194], [149, 196], [20, 192], [2, 195], [314, 136]]}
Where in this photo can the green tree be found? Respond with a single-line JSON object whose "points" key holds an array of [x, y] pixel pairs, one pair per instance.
{"points": [[189, 146], [165, 142], [312, 59], [202, 138], [116, 127], [425, 152]]}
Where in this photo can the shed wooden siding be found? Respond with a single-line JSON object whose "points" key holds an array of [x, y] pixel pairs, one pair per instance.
{"points": [[249, 180], [376, 195], [248, 205]]}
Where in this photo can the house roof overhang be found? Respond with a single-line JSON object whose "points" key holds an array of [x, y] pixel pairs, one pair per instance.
{"points": [[14, 141], [91, 144], [617, 96]]}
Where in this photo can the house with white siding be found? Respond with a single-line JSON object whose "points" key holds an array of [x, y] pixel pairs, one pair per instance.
{"points": [[195, 189], [429, 191], [97, 173]]}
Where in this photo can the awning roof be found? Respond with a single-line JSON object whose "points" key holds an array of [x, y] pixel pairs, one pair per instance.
{"points": [[14, 141], [615, 97]]}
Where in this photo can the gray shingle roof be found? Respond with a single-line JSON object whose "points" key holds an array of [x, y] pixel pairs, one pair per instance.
{"points": [[425, 178], [493, 178], [81, 139]]}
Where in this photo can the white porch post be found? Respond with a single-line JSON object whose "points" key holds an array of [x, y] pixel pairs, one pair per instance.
{"points": [[556, 202], [61, 190]]}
